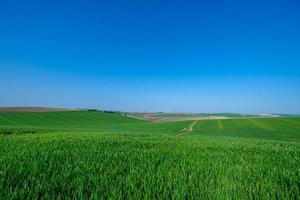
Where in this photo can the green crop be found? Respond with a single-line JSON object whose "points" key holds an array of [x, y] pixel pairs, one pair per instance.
{"points": [[92, 155]]}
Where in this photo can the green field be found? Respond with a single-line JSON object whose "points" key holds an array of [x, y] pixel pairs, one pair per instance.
{"points": [[95, 155]]}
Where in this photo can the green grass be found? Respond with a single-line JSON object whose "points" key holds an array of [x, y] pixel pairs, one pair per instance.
{"points": [[79, 119], [136, 167], [94, 155], [83, 121], [287, 129]]}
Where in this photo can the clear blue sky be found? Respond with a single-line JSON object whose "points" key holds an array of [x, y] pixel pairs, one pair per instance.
{"points": [[156, 55]]}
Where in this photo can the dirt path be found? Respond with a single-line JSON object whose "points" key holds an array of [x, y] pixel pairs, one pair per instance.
{"points": [[190, 128]]}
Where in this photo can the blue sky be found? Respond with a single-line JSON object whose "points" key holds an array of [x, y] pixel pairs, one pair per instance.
{"points": [[193, 56]]}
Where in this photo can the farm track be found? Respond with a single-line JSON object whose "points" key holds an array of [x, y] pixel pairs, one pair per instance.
{"points": [[190, 129]]}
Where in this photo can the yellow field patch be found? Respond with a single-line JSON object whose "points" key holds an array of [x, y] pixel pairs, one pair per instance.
{"points": [[220, 125]]}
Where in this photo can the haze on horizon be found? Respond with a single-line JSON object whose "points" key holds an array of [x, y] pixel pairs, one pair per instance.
{"points": [[180, 56]]}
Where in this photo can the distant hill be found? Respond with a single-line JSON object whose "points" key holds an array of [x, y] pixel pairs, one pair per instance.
{"points": [[165, 117], [77, 120], [33, 109]]}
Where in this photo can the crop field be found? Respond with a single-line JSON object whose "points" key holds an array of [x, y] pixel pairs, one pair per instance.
{"points": [[169, 117], [94, 155], [82, 121], [287, 129]]}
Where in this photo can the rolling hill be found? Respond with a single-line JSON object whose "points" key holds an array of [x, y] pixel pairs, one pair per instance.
{"points": [[287, 128], [92, 155]]}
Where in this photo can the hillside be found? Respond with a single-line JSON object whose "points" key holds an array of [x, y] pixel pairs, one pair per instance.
{"points": [[97, 155], [170, 117], [287, 129], [83, 121], [77, 120], [33, 109]]}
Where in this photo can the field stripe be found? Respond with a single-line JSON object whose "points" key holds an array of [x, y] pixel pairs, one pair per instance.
{"points": [[220, 125], [261, 124]]}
